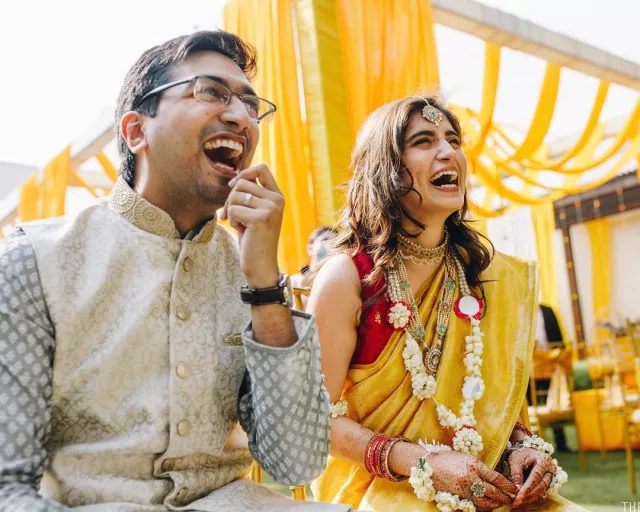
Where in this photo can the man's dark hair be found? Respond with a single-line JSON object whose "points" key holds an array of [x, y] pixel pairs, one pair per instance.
{"points": [[154, 67]]}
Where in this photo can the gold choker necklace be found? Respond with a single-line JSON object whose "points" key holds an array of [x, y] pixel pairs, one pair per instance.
{"points": [[419, 255]]}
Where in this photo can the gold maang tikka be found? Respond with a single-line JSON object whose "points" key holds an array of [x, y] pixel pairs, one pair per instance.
{"points": [[431, 113]]}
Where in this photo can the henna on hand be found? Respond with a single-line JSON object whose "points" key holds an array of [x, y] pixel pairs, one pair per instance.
{"points": [[539, 478]]}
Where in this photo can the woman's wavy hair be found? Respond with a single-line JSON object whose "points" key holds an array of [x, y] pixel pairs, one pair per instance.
{"points": [[373, 214]]}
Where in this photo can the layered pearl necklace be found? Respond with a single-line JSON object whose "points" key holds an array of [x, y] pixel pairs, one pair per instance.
{"points": [[404, 316]]}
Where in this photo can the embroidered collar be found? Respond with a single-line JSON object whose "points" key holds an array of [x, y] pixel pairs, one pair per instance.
{"points": [[141, 213]]}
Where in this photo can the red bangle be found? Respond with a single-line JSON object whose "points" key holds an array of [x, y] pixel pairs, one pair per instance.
{"points": [[376, 456], [387, 472], [372, 454], [519, 426]]}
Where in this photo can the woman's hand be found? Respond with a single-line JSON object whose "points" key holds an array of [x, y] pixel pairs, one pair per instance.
{"points": [[540, 475], [455, 473]]}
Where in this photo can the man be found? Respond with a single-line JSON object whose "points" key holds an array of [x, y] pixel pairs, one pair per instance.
{"points": [[125, 356]]}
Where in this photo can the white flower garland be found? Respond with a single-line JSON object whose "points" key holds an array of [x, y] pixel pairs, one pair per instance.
{"points": [[466, 440], [399, 316], [422, 484], [561, 478], [338, 409], [534, 442], [423, 384], [537, 443]]}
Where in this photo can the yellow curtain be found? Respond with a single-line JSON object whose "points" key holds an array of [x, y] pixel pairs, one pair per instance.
{"points": [[543, 227], [330, 137], [28, 208], [54, 185], [600, 237], [388, 52], [283, 143]]}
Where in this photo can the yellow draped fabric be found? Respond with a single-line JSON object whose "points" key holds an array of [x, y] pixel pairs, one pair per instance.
{"points": [[54, 184], [267, 24], [28, 208], [374, 40], [543, 226], [330, 136], [600, 237], [542, 117], [380, 395]]}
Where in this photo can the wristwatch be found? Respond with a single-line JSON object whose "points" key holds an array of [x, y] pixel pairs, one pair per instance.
{"points": [[282, 293]]}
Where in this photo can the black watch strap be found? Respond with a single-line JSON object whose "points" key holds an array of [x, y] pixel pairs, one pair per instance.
{"points": [[262, 296]]}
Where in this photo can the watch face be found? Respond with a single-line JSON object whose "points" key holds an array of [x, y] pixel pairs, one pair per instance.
{"points": [[287, 290]]}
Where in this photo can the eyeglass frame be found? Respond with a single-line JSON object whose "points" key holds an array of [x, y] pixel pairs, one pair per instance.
{"points": [[193, 78]]}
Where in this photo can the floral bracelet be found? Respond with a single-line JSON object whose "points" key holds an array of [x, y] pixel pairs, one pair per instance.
{"points": [[559, 475], [338, 409], [422, 484]]}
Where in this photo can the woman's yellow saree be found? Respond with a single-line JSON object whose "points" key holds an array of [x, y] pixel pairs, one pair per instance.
{"points": [[380, 395]]}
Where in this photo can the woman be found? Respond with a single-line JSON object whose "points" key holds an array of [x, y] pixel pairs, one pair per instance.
{"points": [[399, 312]]}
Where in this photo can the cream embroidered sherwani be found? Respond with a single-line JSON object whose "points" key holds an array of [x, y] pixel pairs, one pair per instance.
{"points": [[126, 363]]}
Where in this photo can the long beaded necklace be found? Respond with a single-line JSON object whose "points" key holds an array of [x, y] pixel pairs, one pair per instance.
{"points": [[400, 292], [404, 314]]}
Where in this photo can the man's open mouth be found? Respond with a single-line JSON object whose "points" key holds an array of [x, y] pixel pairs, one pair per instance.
{"points": [[224, 153]]}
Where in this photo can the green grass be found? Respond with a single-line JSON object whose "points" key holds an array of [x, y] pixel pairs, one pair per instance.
{"points": [[602, 488]]}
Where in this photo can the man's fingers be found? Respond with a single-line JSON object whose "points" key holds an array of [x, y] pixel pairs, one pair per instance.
{"points": [[245, 216], [259, 172], [253, 201], [253, 188]]}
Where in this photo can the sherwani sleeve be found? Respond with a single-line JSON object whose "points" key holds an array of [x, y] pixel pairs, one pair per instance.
{"points": [[26, 359], [284, 406]]}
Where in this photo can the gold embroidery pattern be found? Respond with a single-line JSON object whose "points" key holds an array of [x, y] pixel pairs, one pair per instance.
{"points": [[117, 399], [148, 217], [378, 318]]}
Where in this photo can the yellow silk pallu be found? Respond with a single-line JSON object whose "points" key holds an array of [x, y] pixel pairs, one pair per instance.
{"points": [[380, 394]]}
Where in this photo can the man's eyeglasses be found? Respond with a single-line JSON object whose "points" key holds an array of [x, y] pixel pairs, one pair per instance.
{"points": [[208, 90]]}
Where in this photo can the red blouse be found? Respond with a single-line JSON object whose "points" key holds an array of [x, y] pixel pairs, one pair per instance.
{"points": [[374, 330]]}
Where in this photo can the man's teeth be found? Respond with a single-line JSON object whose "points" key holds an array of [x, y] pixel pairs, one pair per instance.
{"points": [[225, 143]]}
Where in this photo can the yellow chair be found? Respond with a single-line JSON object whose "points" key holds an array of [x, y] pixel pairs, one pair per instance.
{"points": [[297, 493], [553, 406], [298, 293], [613, 404], [633, 333]]}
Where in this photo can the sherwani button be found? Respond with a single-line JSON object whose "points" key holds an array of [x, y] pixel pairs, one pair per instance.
{"points": [[183, 371], [187, 264], [184, 427], [183, 312], [167, 465]]}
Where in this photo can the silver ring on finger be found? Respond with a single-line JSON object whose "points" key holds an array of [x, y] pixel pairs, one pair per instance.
{"points": [[247, 199], [553, 479], [478, 489]]}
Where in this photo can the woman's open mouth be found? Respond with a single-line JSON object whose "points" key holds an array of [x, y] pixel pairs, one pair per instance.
{"points": [[446, 180]]}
